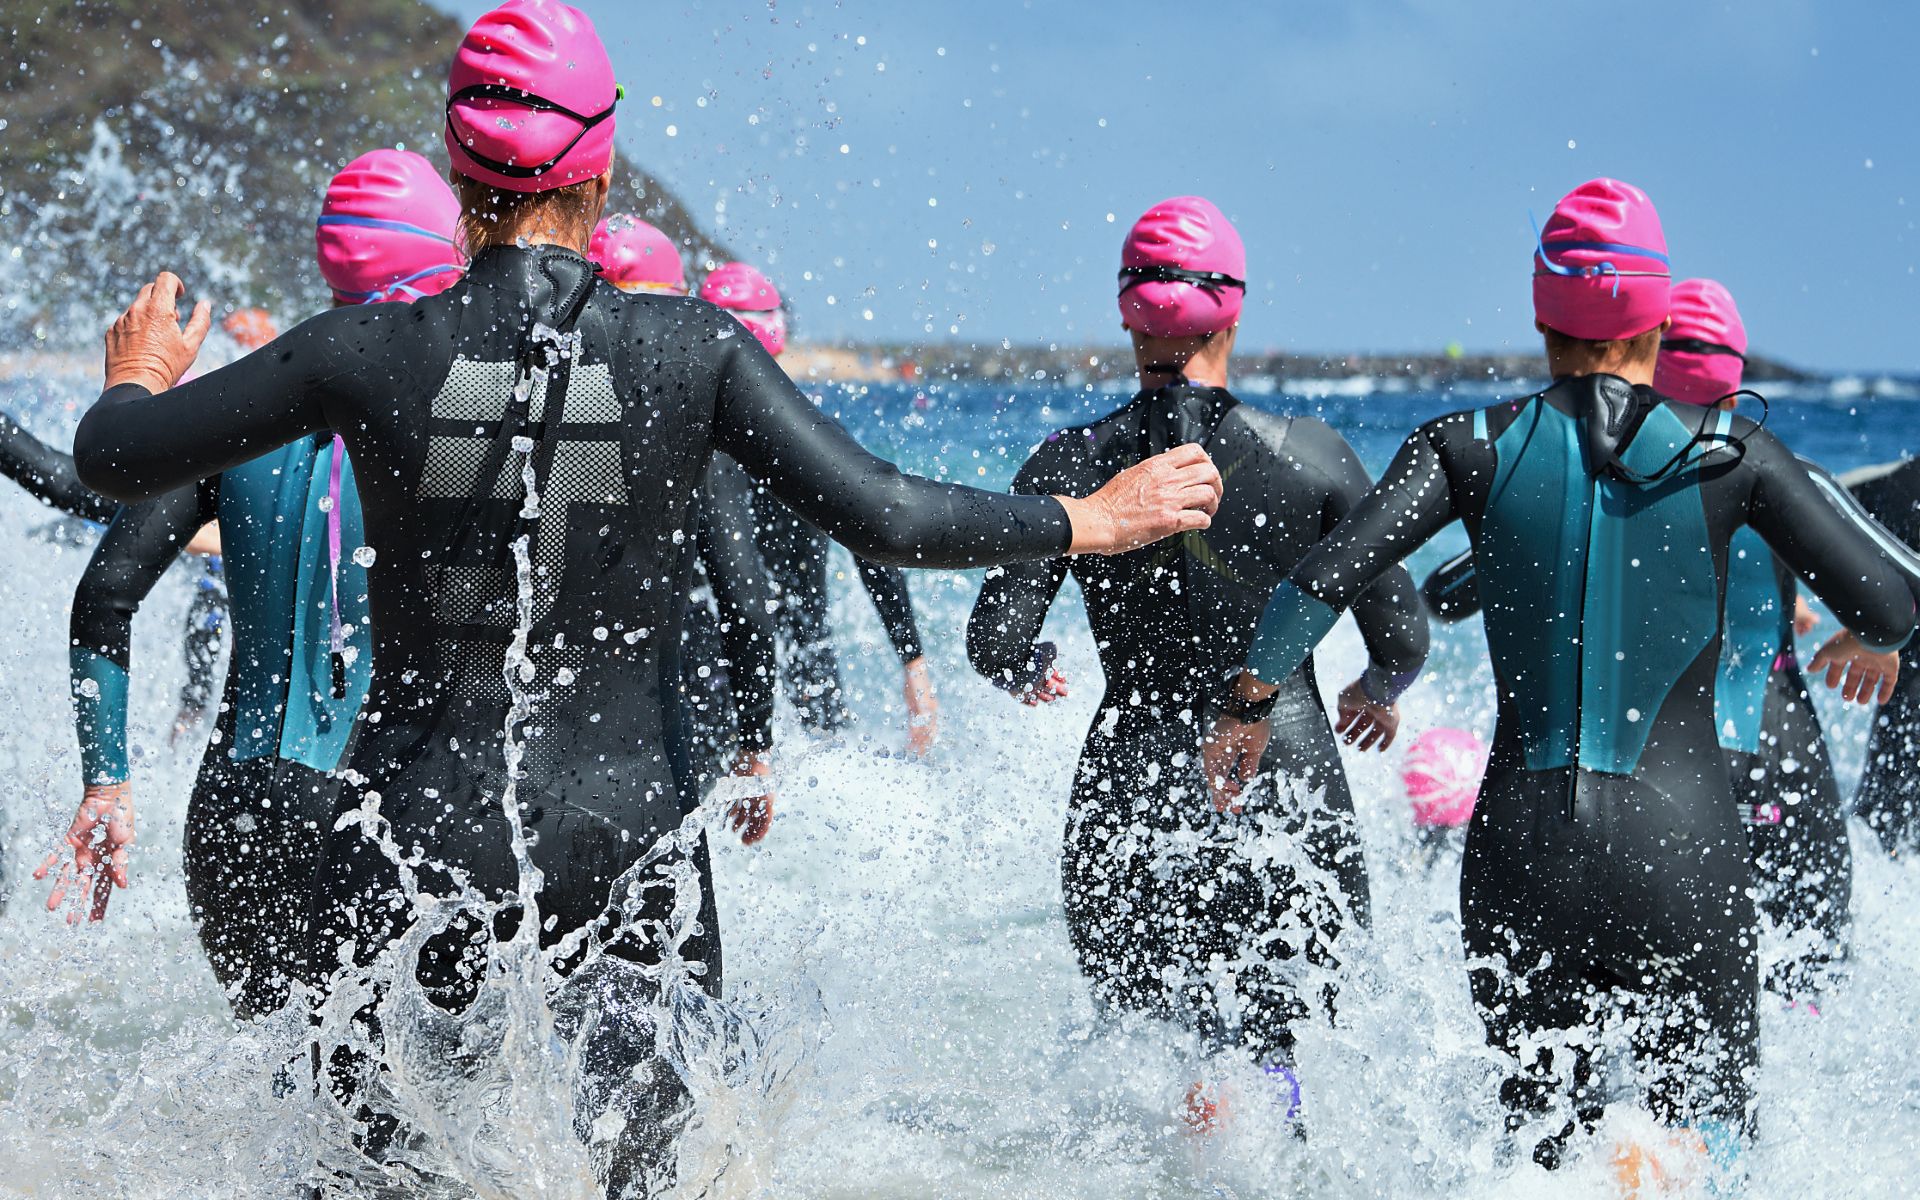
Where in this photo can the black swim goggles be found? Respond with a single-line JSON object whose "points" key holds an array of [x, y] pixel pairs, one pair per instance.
{"points": [[1212, 281], [527, 100], [1699, 346]]}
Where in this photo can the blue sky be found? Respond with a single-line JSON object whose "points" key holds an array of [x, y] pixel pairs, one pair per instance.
{"points": [[1379, 157]]}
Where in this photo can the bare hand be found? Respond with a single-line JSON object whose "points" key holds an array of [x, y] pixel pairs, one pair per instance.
{"points": [[752, 816], [98, 838], [923, 709], [1869, 675], [147, 346], [1167, 494], [206, 542], [1048, 688], [1365, 723], [1231, 759], [1804, 618]]}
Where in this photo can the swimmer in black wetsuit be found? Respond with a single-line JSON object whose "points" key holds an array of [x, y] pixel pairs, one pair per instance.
{"points": [[728, 663], [1142, 847], [302, 657], [445, 405], [1889, 796], [795, 552], [728, 643], [1606, 867]]}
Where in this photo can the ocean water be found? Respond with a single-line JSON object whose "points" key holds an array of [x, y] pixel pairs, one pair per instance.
{"points": [[899, 937]]}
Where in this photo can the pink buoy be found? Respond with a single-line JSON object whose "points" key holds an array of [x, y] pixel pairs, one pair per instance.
{"points": [[1442, 774]]}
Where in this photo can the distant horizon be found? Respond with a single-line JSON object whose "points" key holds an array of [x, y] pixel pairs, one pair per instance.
{"points": [[915, 172]]}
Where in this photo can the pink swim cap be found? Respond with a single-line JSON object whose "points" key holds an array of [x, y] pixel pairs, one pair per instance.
{"points": [[1703, 355], [1442, 772], [636, 257], [530, 98], [1182, 270], [1600, 269], [389, 230], [752, 298]]}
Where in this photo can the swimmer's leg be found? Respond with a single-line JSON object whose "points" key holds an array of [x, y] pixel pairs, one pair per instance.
{"points": [[1802, 856], [252, 846]]}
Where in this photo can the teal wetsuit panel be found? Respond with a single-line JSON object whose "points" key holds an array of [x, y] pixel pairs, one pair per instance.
{"points": [[1757, 628], [274, 538], [1534, 530], [1652, 597], [1598, 593], [319, 724]]}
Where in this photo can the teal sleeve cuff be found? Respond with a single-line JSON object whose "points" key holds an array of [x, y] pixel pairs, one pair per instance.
{"points": [[100, 715], [1291, 627]]}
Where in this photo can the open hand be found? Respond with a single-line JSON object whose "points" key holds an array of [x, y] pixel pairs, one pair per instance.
{"points": [[1365, 723], [1231, 759], [147, 346], [1167, 494], [752, 816], [1868, 675], [98, 839]]}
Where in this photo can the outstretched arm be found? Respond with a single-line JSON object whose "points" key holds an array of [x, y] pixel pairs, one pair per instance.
{"points": [[870, 507], [1392, 621], [146, 436], [1844, 556], [1412, 502], [47, 474]]}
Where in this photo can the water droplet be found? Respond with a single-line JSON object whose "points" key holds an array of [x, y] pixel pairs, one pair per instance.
{"points": [[363, 556]]}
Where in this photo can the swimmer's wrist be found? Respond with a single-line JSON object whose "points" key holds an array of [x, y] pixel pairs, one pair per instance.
{"points": [[1085, 531], [1242, 697]]}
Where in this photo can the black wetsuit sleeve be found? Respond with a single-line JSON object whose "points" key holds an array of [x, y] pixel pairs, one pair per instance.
{"points": [[1012, 605], [887, 586], [143, 540], [1828, 544], [1904, 558], [48, 474], [861, 501], [744, 594], [1392, 621], [133, 444], [1452, 592], [1413, 501]]}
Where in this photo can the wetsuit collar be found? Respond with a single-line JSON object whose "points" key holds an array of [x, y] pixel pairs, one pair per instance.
{"points": [[1180, 413], [550, 278]]}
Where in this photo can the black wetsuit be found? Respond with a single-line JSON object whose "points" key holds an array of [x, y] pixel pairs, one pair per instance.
{"points": [[1605, 863], [727, 655], [425, 396], [1160, 891], [795, 552], [1889, 795]]}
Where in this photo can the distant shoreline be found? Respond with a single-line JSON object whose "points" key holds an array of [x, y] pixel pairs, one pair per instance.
{"points": [[1108, 366]]}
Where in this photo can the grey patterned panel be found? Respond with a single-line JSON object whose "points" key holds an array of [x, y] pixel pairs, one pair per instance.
{"points": [[590, 396]]}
